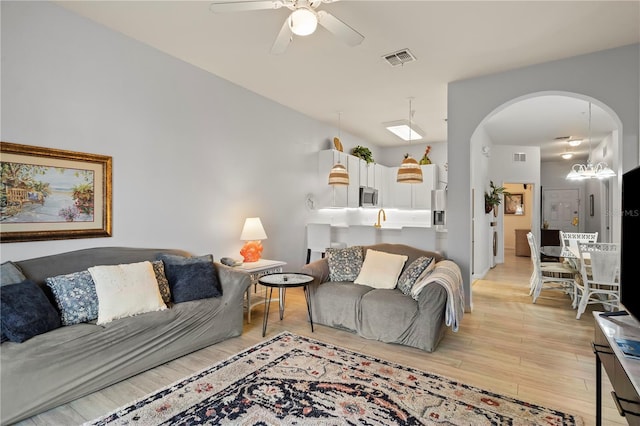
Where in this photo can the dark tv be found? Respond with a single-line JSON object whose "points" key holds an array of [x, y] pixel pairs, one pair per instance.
{"points": [[629, 280]]}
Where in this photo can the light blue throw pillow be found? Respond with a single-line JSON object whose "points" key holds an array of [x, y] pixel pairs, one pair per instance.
{"points": [[75, 296], [344, 263], [411, 274]]}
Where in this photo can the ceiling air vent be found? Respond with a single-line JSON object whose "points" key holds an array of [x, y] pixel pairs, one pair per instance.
{"points": [[519, 157], [399, 58]]}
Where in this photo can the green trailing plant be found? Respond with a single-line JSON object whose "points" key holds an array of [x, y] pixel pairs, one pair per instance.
{"points": [[494, 197], [363, 153]]}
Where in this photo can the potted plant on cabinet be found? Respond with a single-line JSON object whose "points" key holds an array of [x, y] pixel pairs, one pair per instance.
{"points": [[492, 199], [363, 153]]}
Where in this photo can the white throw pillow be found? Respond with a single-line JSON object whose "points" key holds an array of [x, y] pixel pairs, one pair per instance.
{"points": [[126, 290], [380, 269]]}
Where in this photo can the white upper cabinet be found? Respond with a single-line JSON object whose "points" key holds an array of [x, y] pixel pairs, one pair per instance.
{"points": [[412, 195], [368, 174], [353, 196], [383, 178], [338, 195], [422, 191]]}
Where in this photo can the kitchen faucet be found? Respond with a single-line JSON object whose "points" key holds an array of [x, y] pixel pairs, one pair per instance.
{"points": [[384, 217]]}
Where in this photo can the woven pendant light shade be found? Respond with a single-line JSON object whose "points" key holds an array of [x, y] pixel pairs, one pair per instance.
{"points": [[409, 171], [338, 175]]}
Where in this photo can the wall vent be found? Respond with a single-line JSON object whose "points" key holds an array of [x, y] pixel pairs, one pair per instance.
{"points": [[400, 57], [519, 157]]}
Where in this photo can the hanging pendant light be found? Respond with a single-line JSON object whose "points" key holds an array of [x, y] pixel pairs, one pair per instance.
{"points": [[409, 171], [338, 174], [589, 170]]}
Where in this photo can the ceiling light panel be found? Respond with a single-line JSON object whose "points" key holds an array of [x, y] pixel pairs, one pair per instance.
{"points": [[402, 130]]}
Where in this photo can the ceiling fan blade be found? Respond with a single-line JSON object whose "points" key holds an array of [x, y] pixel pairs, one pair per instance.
{"points": [[284, 38], [315, 3], [338, 28], [241, 6]]}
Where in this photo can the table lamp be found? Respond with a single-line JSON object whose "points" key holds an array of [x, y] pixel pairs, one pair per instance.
{"points": [[252, 233]]}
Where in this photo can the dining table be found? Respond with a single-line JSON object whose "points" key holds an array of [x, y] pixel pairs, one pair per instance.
{"points": [[566, 253]]}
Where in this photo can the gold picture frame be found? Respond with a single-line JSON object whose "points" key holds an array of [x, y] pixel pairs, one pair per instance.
{"points": [[53, 194]]}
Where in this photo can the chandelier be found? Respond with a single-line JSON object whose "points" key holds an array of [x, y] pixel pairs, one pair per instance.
{"points": [[589, 170]]}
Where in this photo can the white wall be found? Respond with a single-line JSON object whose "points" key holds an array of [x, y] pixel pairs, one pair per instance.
{"points": [[608, 77], [482, 234], [193, 154]]}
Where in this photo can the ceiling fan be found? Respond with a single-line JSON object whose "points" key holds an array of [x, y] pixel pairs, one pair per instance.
{"points": [[302, 21]]}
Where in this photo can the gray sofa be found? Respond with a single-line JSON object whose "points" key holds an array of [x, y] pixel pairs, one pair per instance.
{"points": [[380, 314], [72, 361]]}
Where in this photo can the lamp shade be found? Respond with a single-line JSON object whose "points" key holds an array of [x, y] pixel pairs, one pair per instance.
{"points": [[253, 230], [338, 175], [409, 171]]}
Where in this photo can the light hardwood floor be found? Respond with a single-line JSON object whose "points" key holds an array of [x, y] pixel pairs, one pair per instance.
{"points": [[537, 353]]}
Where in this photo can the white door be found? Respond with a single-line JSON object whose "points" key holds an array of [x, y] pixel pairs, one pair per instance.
{"points": [[560, 209]]}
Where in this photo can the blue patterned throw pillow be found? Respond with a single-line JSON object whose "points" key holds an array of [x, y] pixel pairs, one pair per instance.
{"points": [[75, 296], [411, 274], [344, 263]]}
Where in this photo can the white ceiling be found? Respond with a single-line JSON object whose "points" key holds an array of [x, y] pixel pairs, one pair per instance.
{"points": [[452, 40]]}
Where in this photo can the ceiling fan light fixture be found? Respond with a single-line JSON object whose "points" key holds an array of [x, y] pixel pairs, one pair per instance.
{"points": [[575, 142], [567, 155], [303, 21]]}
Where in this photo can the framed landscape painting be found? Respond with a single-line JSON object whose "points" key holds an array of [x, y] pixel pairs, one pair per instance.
{"points": [[52, 194]]}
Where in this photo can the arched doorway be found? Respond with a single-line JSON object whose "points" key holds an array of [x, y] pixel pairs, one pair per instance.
{"points": [[500, 166]]}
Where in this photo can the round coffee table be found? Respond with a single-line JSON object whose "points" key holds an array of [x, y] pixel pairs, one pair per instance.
{"points": [[283, 281]]}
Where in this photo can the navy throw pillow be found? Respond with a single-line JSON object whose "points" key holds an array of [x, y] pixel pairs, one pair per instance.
{"points": [[26, 311], [192, 281]]}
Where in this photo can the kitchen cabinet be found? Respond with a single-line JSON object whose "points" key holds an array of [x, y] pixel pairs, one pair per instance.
{"points": [[413, 195], [390, 193], [381, 183], [367, 174], [353, 190], [338, 195]]}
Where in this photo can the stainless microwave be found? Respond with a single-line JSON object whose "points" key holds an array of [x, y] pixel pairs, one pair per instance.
{"points": [[368, 196]]}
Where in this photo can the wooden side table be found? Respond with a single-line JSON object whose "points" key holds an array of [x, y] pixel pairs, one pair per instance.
{"points": [[256, 270]]}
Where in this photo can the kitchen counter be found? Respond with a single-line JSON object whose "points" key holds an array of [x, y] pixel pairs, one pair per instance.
{"points": [[356, 227], [422, 237]]}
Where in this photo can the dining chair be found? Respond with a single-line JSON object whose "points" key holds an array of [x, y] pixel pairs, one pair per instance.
{"points": [[570, 240], [598, 281], [549, 275]]}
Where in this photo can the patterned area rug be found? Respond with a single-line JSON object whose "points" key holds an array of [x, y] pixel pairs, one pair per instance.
{"points": [[297, 380]]}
